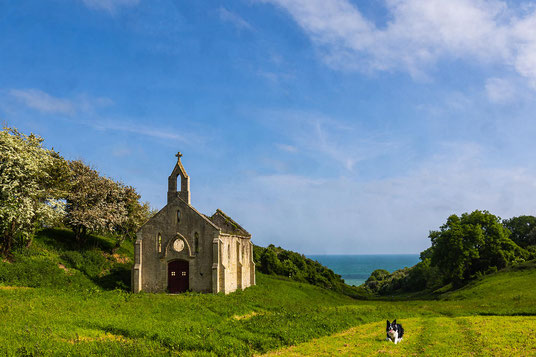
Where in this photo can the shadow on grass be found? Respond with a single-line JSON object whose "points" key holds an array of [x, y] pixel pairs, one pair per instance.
{"points": [[91, 257], [165, 342], [64, 239], [117, 278]]}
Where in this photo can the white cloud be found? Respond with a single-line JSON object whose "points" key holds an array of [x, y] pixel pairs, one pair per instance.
{"points": [[84, 110], [144, 130], [109, 5], [235, 19], [326, 139], [121, 151], [286, 147], [45, 103], [419, 33], [341, 215], [500, 90], [275, 77]]}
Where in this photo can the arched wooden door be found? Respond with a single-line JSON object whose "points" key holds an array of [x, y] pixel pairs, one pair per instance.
{"points": [[178, 274]]}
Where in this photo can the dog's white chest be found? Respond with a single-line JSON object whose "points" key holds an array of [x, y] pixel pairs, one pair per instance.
{"points": [[393, 336]]}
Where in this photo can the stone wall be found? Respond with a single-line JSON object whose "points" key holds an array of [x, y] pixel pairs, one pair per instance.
{"points": [[218, 250], [154, 262], [236, 263]]}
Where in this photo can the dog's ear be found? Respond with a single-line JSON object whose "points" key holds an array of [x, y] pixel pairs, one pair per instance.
{"points": [[394, 322], [388, 323]]}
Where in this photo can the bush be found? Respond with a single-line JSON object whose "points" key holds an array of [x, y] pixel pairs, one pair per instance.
{"points": [[74, 259], [376, 280]]}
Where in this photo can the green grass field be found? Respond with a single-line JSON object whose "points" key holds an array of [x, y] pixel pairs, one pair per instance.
{"points": [[430, 336], [56, 302]]}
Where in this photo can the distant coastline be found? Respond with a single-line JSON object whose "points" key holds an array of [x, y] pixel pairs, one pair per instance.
{"points": [[356, 268]]}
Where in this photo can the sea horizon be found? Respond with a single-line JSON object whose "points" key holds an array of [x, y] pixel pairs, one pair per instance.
{"points": [[356, 268], [309, 255]]}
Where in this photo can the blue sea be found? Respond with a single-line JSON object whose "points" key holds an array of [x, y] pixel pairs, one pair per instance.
{"points": [[355, 269]]}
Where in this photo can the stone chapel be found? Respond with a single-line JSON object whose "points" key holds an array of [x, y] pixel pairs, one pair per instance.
{"points": [[180, 249]]}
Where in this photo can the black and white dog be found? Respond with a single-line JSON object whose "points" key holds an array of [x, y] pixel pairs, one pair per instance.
{"points": [[394, 332]]}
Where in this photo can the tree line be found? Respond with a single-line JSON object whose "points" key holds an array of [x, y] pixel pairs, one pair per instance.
{"points": [[464, 248], [295, 266], [39, 188]]}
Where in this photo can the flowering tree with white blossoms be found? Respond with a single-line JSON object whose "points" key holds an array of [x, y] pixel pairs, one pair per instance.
{"points": [[29, 192], [95, 204], [40, 188]]}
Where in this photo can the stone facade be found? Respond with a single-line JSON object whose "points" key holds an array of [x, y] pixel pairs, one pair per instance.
{"points": [[180, 249]]}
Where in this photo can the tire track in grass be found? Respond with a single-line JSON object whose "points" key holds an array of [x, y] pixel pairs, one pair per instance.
{"points": [[363, 340], [468, 336], [448, 336], [423, 339], [436, 336]]}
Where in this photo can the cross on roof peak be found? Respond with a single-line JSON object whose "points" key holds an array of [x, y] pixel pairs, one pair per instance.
{"points": [[179, 155]]}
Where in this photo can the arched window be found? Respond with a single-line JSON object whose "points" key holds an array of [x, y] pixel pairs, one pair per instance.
{"points": [[159, 243], [178, 216], [196, 242], [229, 251]]}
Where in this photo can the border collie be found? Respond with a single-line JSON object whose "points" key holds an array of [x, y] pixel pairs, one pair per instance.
{"points": [[394, 332]]}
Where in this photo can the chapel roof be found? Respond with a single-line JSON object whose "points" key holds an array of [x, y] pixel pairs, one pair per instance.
{"points": [[227, 224]]}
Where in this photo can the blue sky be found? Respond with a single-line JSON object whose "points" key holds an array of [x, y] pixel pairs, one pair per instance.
{"points": [[321, 126]]}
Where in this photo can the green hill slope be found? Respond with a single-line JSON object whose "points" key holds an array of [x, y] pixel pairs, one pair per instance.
{"points": [[56, 260], [273, 314], [61, 299], [512, 286], [480, 319]]}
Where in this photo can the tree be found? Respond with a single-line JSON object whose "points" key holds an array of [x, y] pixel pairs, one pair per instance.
{"points": [[470, 244], [270, 262], [423, 276], [136, 214], [522, 230], [30, 189], [94, 203], [376, 279]]}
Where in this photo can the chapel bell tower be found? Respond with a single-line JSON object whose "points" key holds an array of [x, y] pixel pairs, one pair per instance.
{"points": [[184, 193]]}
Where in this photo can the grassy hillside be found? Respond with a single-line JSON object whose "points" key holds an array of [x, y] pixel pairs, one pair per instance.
{"points": [[59, 298], [56, 260], [494, 316]]}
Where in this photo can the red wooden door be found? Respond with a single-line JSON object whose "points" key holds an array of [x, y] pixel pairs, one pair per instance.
{"points": [[178, 276]]}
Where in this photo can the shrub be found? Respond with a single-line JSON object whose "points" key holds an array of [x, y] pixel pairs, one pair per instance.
{"points": [[277, 261]]}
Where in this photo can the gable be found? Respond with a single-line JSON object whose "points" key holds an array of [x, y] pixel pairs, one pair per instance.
{"points": [[161, 218]]}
